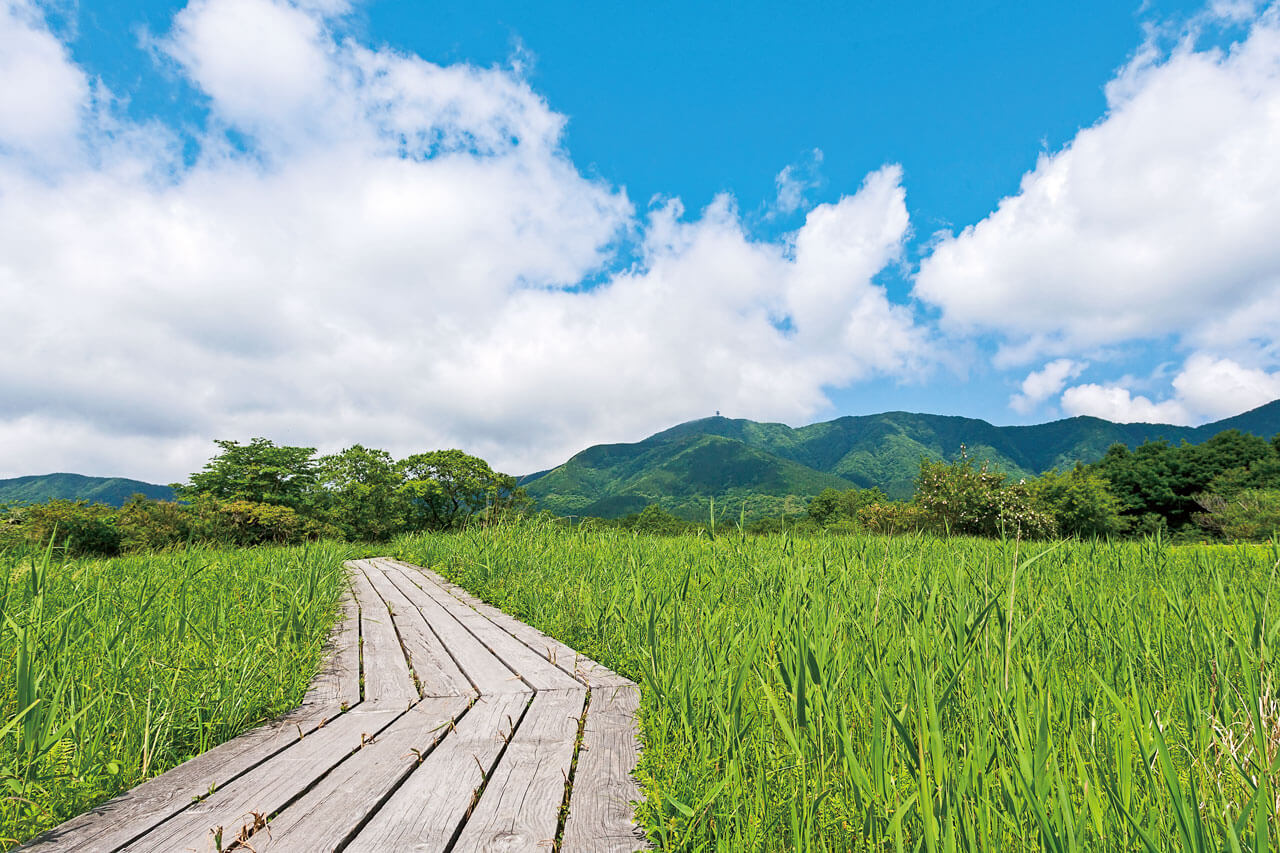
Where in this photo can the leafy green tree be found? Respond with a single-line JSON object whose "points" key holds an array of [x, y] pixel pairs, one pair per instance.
{"points": [[972, 500], [1228, 450], [1160, 480], [1080, 502], [833, 506], [361, 493], [1146, 481], [259, 472], [1262, 474], [1254, 467], [443, 489], [656, 521]]}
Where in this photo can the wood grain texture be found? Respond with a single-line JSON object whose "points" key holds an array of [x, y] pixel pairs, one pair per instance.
{"points": [[386, 672], [331, 811], [426, 811], [488, 674], [520, 806], [582, 668], [345, 770], [338, 682], [110, 825], [536, 671], [267, 788], [601, 815], [435, 670]]}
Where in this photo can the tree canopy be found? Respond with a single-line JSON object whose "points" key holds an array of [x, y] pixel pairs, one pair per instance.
{"points": [[259, 471], [360, 493]]}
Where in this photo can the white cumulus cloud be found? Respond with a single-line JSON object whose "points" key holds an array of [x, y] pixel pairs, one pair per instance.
{"points": [[1115, 403], [1215, 387], [1042, 384], [1207, 387], [44, 95], [1158, 220], [393, 252]]}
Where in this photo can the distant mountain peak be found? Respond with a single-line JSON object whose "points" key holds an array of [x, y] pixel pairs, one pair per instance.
{"points": [[719, 456], [67, 486]]}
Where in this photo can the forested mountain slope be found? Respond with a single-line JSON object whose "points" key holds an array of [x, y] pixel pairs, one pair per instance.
{"points": [[724, 456], [107, 490]]}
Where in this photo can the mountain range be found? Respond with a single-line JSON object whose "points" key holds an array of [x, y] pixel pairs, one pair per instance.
{"points": [[107, 490], [730, 459], [718, 457]]}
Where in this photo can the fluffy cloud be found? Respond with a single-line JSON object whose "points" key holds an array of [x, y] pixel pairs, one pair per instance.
{"points": [[1042, 384], [1147, 224], [44, 96], [1115, 403], [392, 252], [1206, 388], [1220, 387]]}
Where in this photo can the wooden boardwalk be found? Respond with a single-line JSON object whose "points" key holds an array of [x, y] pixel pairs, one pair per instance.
{"points": [[438, 724]]}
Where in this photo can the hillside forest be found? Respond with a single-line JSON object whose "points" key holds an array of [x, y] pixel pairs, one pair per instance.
{"points": [[259, 493], [1225, 489]]}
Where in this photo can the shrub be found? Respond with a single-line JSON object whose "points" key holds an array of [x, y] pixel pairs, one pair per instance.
{"points": [[893, 517], [252, 523], [148, 525], [80, 527], [11, 533], [975, 501], [774, 524], [843, 527], [1080, 502], [1252, 514], [833, 506], [656, 521]]}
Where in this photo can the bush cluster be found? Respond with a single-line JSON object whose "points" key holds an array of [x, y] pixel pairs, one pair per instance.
{"points": [[1226, 488], [260, 493]]}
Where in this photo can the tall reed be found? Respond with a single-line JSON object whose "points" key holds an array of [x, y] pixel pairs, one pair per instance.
{"points": [[116, 670], [916, 693]]}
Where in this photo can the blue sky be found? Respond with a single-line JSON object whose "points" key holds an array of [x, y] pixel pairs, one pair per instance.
{"points": [[524, 228]]}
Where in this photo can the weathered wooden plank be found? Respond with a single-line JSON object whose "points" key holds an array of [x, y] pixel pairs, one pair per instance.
{"points": [[269, 787], [582, 668], [322, 787], [485, 672], [425, 812], [538, 672], [520, 806], [435, 670], [601, 815], [111, 824], [386, 672], [338, 682], [330, 812]]}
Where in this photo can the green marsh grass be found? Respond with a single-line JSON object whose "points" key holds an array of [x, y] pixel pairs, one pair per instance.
{"points": [[116, 670], [916, 693]]}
